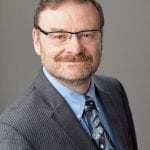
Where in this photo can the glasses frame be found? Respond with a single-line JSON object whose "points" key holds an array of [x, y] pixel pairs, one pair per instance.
{"points": [[75, 33]]}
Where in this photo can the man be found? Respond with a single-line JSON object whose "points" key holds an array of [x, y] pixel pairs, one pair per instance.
{"points": [[55, 112]]}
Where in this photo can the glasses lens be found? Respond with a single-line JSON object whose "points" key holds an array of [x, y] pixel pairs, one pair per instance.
{"points": [[89, 36], [58, 37]]}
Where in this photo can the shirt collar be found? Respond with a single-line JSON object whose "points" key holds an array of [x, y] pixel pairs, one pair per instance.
{"points": [[75, 100]]}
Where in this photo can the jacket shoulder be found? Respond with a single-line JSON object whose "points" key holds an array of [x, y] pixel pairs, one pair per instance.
{"points": [[27, 108], [107, 83]]}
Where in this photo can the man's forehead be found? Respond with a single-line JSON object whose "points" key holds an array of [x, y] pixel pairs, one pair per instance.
{"points": [[68, 14]]}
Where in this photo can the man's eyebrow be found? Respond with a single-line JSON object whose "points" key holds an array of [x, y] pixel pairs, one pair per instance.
{"points": [[63, 30], [57, 29]]}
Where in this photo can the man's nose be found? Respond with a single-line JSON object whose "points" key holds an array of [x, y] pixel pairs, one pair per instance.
{"points": [[74, 46]]}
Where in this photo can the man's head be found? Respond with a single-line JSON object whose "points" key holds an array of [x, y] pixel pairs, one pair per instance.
{"points": [[68, 52]]}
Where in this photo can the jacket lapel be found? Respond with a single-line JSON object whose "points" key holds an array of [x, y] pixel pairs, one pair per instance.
{"points": [[71, 125], [113, 115]]}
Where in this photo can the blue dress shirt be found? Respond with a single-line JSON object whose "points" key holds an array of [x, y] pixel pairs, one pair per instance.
{"points": [[77, 102]]}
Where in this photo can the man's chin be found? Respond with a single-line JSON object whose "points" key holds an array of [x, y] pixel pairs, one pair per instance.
{"points": [[73, 80]]}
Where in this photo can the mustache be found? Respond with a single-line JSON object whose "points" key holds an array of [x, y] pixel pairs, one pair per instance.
{"points": [[76, 58]]}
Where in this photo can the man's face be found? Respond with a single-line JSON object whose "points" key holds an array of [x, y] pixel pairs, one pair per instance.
{"points": [[73, 62]]}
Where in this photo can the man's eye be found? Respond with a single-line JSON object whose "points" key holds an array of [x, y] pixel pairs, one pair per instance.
{"points": [[87, 35], [59, 36]]}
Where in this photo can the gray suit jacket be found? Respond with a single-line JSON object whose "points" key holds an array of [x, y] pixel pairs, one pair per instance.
{"points": [[42, 120]]}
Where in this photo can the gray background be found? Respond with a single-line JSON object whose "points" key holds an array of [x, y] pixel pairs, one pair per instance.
{"points": [[125, 55]]}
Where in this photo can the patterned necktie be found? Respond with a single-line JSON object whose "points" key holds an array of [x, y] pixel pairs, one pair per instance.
{"points": [[98, 132]]}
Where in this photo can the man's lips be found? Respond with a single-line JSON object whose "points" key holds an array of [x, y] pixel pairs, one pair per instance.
{"points": [[74, 61]]}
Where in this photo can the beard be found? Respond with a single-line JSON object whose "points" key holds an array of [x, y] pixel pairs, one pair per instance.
{"points": [[72, 69]]}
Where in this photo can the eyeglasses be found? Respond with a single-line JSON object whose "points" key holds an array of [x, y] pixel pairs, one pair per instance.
{"points": [[63, 37]]}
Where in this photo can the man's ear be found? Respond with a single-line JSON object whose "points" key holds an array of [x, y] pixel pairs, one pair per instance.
{"points": [[102, 41], [102, 44], [36, 42]]}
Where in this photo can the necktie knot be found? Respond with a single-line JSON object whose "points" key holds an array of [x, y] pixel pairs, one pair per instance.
{"points": [[89, 105]]}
